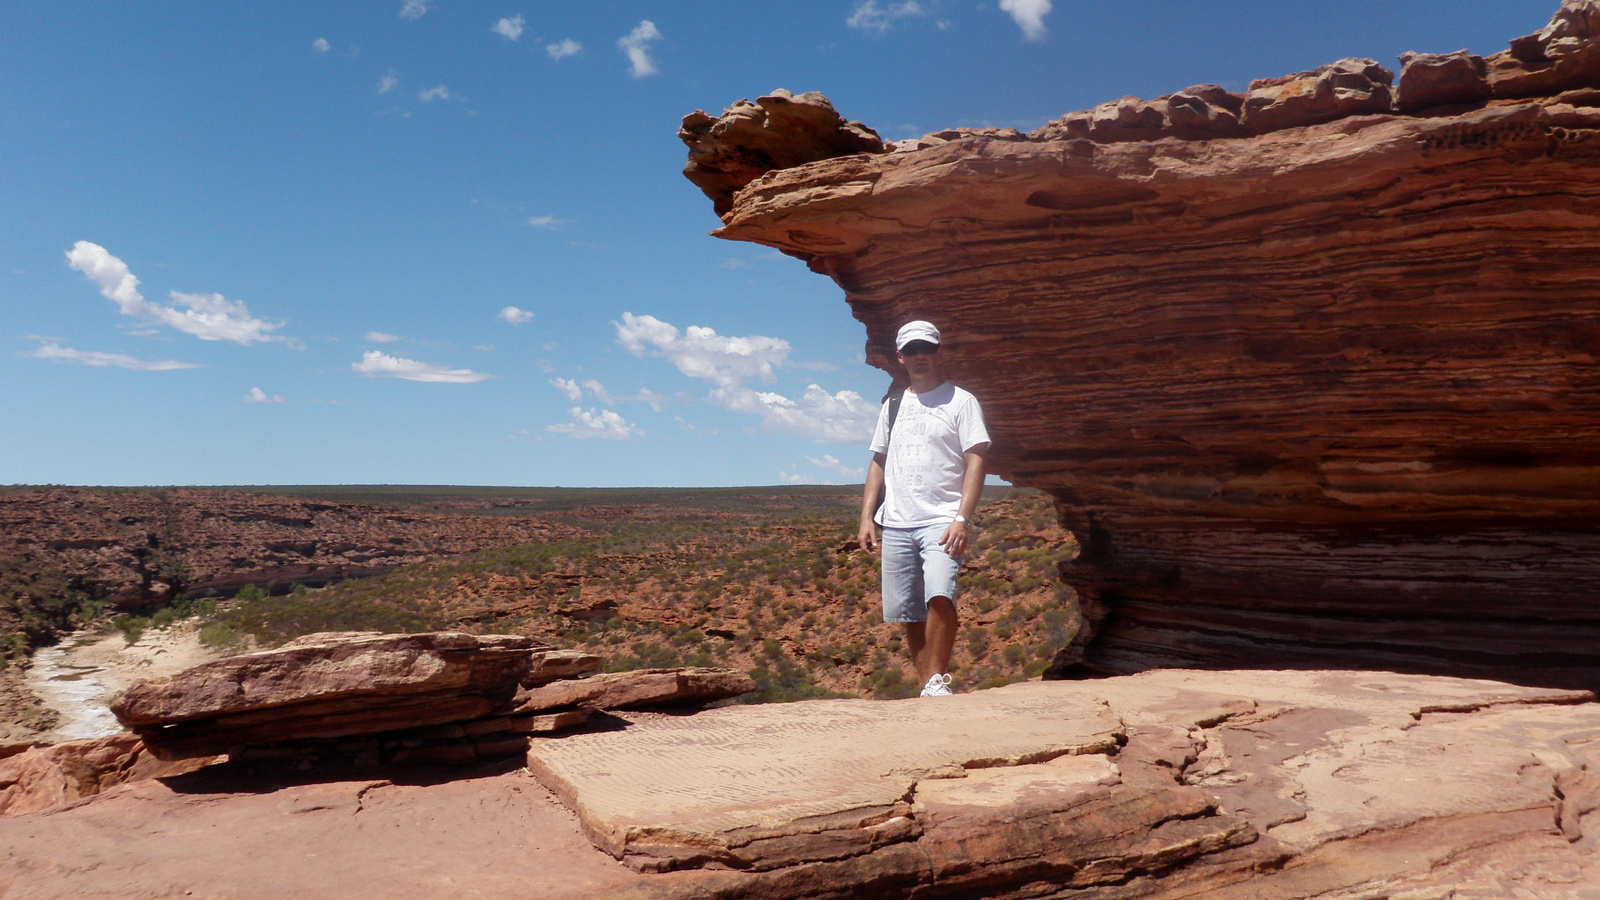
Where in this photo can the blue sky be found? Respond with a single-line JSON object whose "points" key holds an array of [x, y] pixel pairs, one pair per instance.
{"points": [[447, 241]]}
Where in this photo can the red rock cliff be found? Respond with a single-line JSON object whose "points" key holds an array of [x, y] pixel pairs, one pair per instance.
{"points": [[1311, 370]]}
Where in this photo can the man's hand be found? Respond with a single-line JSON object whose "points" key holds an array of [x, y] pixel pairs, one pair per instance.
{"points": [[866, 532], [954, 540], [867, 537]]}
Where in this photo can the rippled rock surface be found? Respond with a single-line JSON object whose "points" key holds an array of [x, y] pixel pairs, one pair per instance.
{"points": [[1311, 370]]}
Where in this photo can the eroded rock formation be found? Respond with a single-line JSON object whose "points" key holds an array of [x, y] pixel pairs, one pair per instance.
{"points": [[1311, 370], [443, 698]]}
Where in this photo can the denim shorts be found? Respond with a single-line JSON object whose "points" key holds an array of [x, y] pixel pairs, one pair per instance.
{"points": [[915, 570]]}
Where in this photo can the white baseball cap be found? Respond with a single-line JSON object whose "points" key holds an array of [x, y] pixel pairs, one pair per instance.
{"points": [[916, 331]]}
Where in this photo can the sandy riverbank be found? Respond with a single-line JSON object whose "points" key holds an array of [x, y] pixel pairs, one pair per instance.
{"points": [[79, 676]]}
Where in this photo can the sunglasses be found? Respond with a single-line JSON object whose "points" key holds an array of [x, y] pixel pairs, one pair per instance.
{"points": [[919, 348]]}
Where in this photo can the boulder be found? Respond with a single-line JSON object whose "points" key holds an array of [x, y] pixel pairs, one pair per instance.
{"points": [[1436, 79], [1205, 111], [442, 698], [329, 686], [1128, 119], [777, 131], [1565, 54], [1348, 87], [1201, 112]]}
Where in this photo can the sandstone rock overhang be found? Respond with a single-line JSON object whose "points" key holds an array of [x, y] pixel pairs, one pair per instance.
{"points": [[1311, 370]]}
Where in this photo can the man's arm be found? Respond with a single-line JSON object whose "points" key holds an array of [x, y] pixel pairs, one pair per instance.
{"points": [[954, 540], [866, 532]]}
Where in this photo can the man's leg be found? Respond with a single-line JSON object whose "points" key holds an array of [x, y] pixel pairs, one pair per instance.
{"points": [[939, 571], [903, 593], [917, 646], [940, 638]]}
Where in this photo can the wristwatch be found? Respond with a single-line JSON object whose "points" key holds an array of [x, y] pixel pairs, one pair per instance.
{"points": [[960, 518]]}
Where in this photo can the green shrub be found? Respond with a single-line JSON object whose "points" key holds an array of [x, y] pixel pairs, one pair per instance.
{"points": [[221, 637], [888, 683], [132, 627]]}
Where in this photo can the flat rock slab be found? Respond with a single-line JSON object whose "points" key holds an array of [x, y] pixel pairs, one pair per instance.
{"points": [[223, 834], [1161, 786], [679, 791]]}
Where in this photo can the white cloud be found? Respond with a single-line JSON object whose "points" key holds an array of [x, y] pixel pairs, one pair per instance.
{"points": [[515, 316], [415, 9], [376, 364], [53, 351], [566, 48], [575, 390], [637, 46], [257, 395], [436, 93], [700, 352], [545, 221], [381, 337], [828, 463], [832, 464], [592, 423], [389, 81], [111, 274], [210, 317], [842, 418], [728, 362], [321, 45], [656, 401], [1029, 16], [213, 317], [568, 386], [869, 16], [510, 28]]}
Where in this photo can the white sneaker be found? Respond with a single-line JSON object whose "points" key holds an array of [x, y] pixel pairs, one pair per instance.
{"points": [[937, 686]]}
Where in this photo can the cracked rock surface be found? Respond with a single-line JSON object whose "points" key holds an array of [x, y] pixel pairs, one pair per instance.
{"points": [[1178, 783]]}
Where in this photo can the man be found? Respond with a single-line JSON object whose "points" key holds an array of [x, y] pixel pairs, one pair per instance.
{"points": [[930, 463]]}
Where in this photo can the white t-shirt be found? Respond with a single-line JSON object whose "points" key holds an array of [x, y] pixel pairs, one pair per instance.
{"points": [[925, 463]]}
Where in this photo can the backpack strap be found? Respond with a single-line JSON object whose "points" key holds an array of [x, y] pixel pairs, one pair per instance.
{"points": [[894, 410], [888, 436]]}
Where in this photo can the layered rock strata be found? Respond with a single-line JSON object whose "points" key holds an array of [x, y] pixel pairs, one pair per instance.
{"points": [[45, 776], [441, 698], [1311, 369]]}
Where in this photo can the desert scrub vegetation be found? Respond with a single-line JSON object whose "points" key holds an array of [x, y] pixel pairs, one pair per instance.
{"points": [[37, 603], [757, 579]]}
